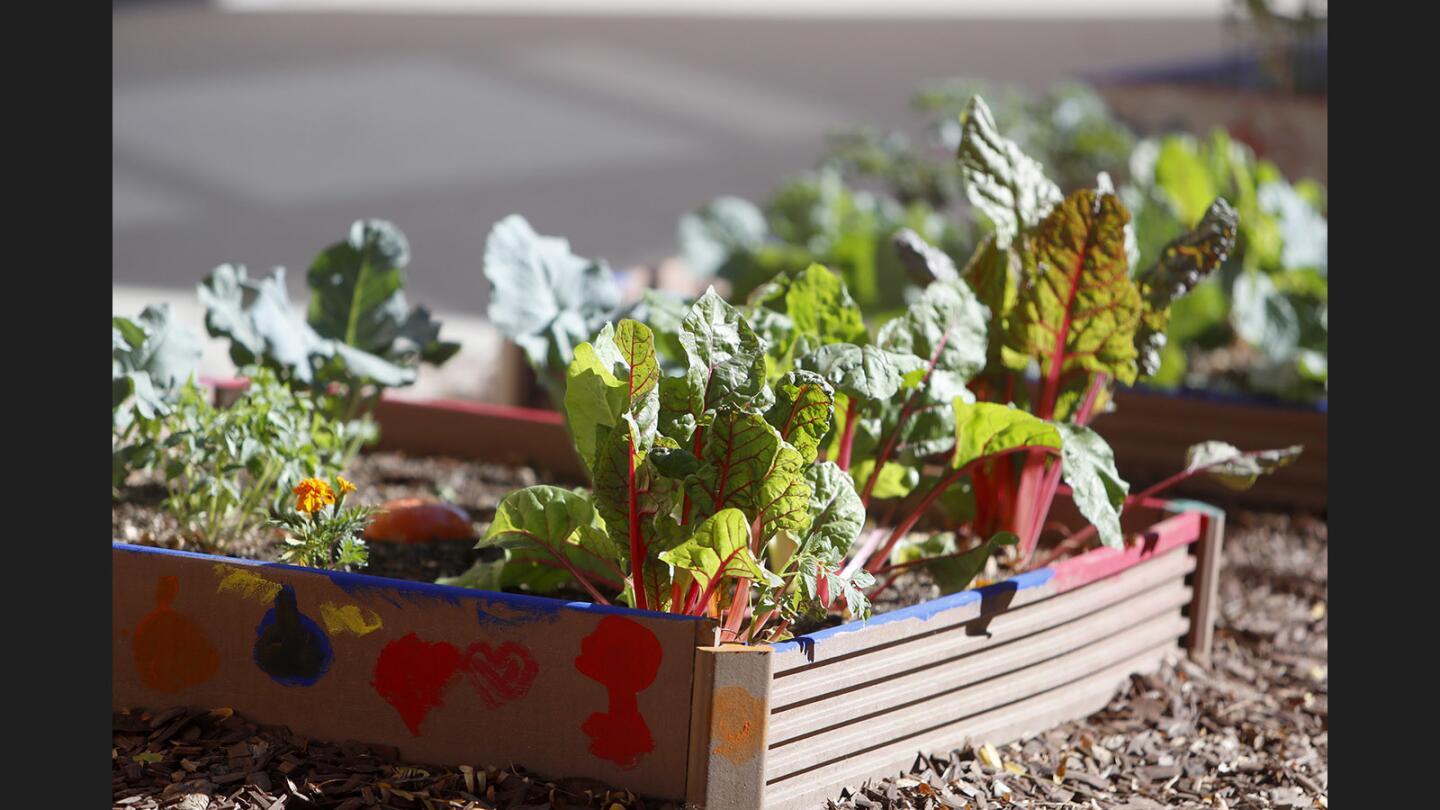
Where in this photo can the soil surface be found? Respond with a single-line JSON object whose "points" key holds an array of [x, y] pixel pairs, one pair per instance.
{"points": [[1249, 732]]}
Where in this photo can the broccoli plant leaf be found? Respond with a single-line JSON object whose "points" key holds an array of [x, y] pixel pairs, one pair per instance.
{"points": [[542, 296], [1078, 308], [723, 227], [1234, 468], [1183, 263], [256, 315], [1009, 186], [1088, 466], [986, 428], [804, 404], [151, 356]]}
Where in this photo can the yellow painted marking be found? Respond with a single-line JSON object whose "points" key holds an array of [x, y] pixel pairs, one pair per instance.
{"points": [[349, 619], [245, 584]]}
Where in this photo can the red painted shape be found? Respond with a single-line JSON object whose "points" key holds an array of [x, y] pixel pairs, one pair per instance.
{"points": [[1168, 534], [419, 520], [411, 674], [500, 674], [623, 656], [171, 652]]}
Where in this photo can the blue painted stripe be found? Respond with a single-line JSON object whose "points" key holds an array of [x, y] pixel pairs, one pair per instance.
{"points": [[925, 610], [388, 589]]}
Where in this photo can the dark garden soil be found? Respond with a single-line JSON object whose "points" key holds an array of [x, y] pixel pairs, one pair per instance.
{"points": [[1250, 732]]}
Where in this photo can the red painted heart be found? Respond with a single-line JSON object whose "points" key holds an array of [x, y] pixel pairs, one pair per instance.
{"points": [[411, 674], [500, 674]]}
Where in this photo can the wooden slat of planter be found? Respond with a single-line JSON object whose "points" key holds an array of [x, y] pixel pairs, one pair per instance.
{"points": [[447, 675], [948, 611], [810, 683], [815, 750], [1073, 700], [1203, 610], [978, 662], [474, 430]]}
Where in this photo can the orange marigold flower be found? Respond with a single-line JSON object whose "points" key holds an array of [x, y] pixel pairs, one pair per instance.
{"points": [[345, 486], [312, 494]]}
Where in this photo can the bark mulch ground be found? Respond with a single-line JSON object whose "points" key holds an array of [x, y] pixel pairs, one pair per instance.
{"points": [[1250, 732]]}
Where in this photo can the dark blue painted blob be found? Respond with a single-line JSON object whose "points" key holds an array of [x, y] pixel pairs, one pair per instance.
{"points": [[289, 646]]}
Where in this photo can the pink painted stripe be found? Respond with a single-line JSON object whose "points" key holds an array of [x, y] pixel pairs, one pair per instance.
{"points": [[1167, 535]]}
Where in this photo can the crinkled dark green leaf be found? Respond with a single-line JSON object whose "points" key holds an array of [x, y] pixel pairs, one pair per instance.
{"points": [[1002, 181], [726, 358], [947, 325], [1182, 264], [1235, 468], [863, 372], [836, 514], [784, 502], [739, 449], [1088, 466], [804, 404]]}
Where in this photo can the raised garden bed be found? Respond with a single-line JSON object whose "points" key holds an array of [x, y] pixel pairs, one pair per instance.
{"points": [[641, 699]]}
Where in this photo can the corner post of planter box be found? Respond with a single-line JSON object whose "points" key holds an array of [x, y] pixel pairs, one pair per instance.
{"points": [[1204, 606], [729, 714]]}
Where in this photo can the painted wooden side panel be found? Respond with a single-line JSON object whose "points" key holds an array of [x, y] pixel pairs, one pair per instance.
{"points": [[447, 675]]}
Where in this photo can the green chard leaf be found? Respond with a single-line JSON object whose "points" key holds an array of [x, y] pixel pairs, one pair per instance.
{"points": [[836, 514], [1078, 308], [947, 326], [993, 274], [545, 515], [986, 428], [726, 358], [861, 372], [784, 496], [804, 404], [1088, 466], [1009, 186], [952, 573], [617, 374], [740, 448], [622, 468], [719, 547], [1183, 263], [1237, 469], [820, 306]]}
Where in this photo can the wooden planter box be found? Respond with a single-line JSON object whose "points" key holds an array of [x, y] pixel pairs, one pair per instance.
{"points": [[638, 699], [1150, 431]]}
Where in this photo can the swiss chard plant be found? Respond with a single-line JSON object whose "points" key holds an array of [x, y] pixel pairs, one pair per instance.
{"points": [[358, 335], [708, 494]]}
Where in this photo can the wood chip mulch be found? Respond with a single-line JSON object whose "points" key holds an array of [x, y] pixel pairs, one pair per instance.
{"points": [[1250, 732]]}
